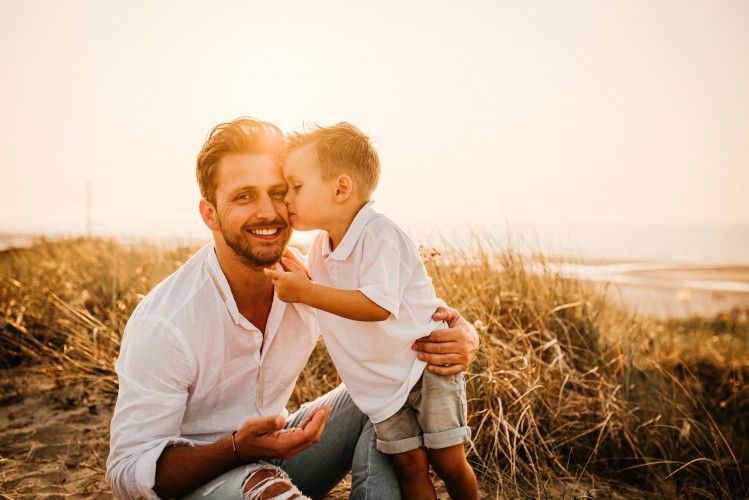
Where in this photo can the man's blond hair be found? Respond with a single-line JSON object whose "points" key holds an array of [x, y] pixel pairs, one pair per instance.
{"points": [[341, 149], [240, 136]]}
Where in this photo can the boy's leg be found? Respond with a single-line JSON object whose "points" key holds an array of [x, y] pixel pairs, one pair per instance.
{"points": [[400, 437], [413, 474], [451, 466], [348, 439], [443, 418]]}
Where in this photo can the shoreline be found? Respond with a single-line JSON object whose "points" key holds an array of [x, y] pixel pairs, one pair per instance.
{"points": [[670, 289]]}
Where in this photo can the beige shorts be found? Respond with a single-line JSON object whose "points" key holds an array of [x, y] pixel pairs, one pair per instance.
{"points": [[433, 416]]}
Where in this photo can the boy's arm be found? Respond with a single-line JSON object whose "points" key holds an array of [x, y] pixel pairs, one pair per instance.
{"points": [[349, 304], [295, 286]]}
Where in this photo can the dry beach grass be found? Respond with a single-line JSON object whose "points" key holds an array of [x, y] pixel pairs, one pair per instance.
{"points": [[569, 397]]}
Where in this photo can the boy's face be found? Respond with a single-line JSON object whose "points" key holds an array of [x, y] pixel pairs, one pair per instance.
{"points": [[309, 199]]}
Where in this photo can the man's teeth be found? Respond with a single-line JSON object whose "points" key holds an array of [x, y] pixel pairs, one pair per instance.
{"points": [[265, 232]]}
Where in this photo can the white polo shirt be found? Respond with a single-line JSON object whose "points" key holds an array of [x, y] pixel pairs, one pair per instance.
{"points": [[375, 359], [193, 369]]}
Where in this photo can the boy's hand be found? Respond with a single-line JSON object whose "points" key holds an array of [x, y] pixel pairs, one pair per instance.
{"points": [[291, 286], [288, 254]]}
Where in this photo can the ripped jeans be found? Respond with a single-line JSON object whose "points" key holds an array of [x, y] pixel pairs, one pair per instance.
{"points": [[347, 443]]}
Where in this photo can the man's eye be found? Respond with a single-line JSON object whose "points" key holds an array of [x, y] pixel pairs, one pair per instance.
{"points": [[243, 197], [278, 194]]}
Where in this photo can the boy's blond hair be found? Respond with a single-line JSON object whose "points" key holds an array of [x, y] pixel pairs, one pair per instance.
{"points": [[342, 149]]}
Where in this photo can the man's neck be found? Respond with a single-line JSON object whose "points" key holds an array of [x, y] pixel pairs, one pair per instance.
{"points": [[251, 288]]}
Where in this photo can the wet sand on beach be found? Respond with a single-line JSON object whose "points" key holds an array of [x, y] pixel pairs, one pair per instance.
{"points": [[680, 290]]}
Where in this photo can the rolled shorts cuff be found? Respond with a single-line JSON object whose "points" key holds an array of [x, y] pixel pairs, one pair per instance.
{"points": [[400, 446], [451, 437]]}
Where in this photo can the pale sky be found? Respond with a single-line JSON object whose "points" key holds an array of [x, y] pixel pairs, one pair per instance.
{"points": [[532, 111]]}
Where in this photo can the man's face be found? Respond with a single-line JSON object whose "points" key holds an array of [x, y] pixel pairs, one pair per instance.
{"points": [[309, 198], [251, 214]]}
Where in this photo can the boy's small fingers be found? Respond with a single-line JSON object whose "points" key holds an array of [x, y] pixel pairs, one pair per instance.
{"points": [[290, 265]]}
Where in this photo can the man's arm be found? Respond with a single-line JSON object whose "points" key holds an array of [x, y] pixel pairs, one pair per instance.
{"points": [[295, 286], [451, 350], [147, 452], [180, 470]]}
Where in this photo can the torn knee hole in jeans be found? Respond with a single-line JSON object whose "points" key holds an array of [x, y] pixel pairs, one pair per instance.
{"points": [[278, 477]]}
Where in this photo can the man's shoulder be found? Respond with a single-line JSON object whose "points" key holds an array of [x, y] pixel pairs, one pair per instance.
{"points": [[177, 291]]}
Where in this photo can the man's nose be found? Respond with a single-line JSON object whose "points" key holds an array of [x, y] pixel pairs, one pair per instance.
{"points": [[265, 208]]}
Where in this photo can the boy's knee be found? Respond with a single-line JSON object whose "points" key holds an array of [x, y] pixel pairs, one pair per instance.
{"points": [[449, 470], [449, 463], [411, 462]]}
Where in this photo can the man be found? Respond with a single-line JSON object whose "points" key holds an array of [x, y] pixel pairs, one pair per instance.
{"points": [[210, 357]]}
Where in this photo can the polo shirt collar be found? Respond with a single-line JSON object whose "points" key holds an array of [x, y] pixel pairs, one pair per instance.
{"points": [[352, 235]]}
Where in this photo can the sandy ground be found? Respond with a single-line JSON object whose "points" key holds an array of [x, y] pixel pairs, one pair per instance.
{"points": [[54, 440]]}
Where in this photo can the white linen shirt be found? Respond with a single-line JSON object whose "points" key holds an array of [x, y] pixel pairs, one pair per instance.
{"points": [[374, 358], [193, 369]]}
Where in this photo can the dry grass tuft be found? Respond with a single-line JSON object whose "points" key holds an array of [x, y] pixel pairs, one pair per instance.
{"points": [[569, 397]]}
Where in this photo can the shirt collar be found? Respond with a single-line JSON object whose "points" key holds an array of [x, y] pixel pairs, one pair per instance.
{"points": [[352, 234], [222, 286]]}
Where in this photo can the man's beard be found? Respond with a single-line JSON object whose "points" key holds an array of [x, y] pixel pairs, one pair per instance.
{"points": [[253, 253]]}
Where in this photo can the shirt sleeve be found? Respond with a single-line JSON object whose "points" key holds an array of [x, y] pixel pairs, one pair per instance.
{"points": [[383, 272], [155, 369]]}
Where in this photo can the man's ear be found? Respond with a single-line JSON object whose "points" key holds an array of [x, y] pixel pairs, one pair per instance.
{"points": [[344, 188], [208, 213]]}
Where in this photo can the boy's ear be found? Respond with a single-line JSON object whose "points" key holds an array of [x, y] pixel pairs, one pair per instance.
{"points": [[208, 213], [344, 188]]}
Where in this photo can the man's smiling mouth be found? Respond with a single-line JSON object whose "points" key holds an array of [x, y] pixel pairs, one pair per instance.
{"points": [[269, 231]]}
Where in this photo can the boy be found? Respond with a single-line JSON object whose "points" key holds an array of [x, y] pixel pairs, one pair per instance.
{"points": [[365, 269]]}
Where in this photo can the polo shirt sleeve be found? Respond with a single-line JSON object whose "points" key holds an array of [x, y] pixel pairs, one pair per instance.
{"points": [[155, 368], [383, 273]]}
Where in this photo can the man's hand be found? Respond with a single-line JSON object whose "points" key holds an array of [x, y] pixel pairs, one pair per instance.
{"points": [[181, 469], [291, 286], [264, 437], [451, 350]]}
